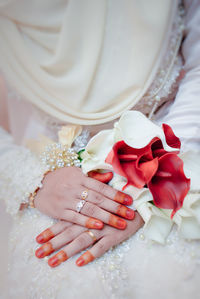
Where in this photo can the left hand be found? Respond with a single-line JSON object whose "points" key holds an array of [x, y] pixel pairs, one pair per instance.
{"points": [[76, 238]]}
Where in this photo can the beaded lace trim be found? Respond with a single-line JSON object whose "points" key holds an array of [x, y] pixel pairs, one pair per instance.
{"points": [[166, 78], [20, 174]]}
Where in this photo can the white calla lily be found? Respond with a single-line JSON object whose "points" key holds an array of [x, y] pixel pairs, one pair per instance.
{"points": [[137, 130], [188, 223], [192, 168], [157, 224], [97, 150]]}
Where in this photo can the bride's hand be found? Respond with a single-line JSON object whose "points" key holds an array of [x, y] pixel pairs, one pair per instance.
{"points": [[62, 190], [76, 238]]}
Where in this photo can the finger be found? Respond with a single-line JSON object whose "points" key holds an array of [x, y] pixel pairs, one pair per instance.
{"points": [[96, 251], [77, 218], [101, 177], [107, 191], [80, 243], [60, 240], [44, 250], [90, 209], [52, 231], [108, 204]]}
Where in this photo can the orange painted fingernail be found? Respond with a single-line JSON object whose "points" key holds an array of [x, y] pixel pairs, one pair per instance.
{"points": [[40, 239], [123, 198], [57, 259], [40, 253], [98, 225], [117, 222], [125, 212], [44, 250], [54, 261], [94, 223], [45, 236], [130, 214], [80, 262], [128, 200], [121, 223], [84, 259]]}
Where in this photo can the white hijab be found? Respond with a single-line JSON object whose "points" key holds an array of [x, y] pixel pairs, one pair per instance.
{"points": [[83, 62]]}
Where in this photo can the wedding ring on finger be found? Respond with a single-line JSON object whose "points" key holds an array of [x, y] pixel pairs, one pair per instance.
{"points": [[84, 194], [80, 205], [91, 235]]}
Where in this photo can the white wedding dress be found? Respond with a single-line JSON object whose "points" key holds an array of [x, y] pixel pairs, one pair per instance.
{"points": [[137, 268]]}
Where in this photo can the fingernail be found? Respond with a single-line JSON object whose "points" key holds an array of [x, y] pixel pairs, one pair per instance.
{"points": [[130, 214], [44, 250], [57, 259], [123, 198], [40, 253], [94, 223], [121, 224], [40, 239], [128, 200], [45, 236], [54, 261], [80, 262], [98, 224]]}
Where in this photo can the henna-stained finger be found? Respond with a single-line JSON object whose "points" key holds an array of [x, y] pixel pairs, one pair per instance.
{"points": [[78, 244], [108, 218], [108, 191], [57, 259], [82, 220], [44, 250], [52, 231], [96, 251], [106, 204], [67, 236]]}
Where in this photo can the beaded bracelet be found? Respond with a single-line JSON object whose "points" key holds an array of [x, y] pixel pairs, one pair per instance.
{"points": [[57, 156]]}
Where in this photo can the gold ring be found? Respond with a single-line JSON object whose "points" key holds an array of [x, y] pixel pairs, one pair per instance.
{"points": [[84, 194], [91, 235]]}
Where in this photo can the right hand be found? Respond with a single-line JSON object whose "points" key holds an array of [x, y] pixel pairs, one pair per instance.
{"points": [[62, 191]]}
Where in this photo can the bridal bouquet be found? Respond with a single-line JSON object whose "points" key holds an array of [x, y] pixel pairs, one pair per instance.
{"points": [[146, 163]]}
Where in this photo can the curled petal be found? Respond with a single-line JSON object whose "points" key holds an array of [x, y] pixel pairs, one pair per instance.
{"points": [[169, 186], [136, 165], [171, 139]]}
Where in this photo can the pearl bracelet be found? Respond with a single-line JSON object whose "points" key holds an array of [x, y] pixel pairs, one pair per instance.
{"points": [[57, 156]]}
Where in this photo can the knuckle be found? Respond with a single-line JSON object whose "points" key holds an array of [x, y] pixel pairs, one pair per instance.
{"points": [[102, 247], [97, 198], [68, 233], [102, 188], [90, 209], [73, 216], [81, 241]]}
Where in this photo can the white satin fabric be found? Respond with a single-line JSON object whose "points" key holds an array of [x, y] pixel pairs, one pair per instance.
{"points": [[183, 114], [84, 62]]}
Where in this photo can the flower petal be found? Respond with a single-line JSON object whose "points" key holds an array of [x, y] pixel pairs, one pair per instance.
{"points": [[136, 165], [137, 130], [169, 191], [97, 150], [149, 169], [171, 139]]}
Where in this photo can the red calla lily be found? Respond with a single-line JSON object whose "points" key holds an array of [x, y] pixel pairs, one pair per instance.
{"points": [[169, 186], [154, 167]]}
